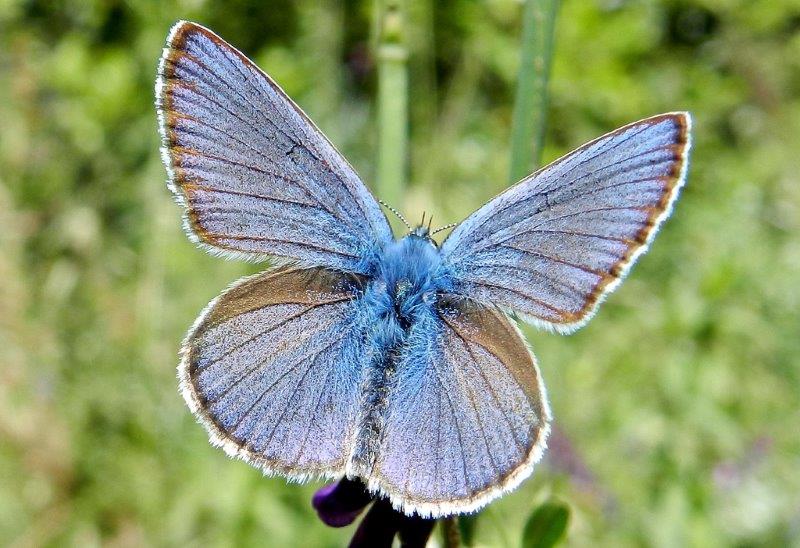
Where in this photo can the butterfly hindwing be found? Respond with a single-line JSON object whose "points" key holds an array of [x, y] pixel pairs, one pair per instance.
{"points": [[272, 369], [467, 416], [257, 178], [552, 246]]}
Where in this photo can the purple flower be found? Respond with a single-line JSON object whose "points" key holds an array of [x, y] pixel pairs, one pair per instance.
{"points": [[339, 504]]}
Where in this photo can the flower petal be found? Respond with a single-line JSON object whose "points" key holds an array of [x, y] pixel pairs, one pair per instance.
{"points": [[340, 503]]}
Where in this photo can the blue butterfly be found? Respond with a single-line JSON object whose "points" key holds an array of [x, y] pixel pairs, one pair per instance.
{"points": [[360, 355]]}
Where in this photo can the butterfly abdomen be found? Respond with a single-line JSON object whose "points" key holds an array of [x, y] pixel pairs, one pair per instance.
{"points": [[406, 280]]}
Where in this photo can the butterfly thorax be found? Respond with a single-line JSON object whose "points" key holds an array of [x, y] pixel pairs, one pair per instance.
{"points": [[408, 276]]}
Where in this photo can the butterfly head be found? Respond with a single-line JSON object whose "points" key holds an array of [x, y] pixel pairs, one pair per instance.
{"points": [[423, 231]]}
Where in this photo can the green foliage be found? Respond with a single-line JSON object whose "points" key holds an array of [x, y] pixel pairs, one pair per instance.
{"points": [[546, 526], [680, 399]]}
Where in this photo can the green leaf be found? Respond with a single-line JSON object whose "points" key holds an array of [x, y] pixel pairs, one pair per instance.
{"points": [[546, 526]]}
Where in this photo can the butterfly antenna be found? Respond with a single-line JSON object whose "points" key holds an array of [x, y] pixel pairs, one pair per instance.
{"points": [[445, 227], [397, 213], [430, 220]]}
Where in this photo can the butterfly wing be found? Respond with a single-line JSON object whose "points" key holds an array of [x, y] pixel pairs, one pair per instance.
{"points": [[257, 178], [272, 369], [467, 415], [552, 246]]}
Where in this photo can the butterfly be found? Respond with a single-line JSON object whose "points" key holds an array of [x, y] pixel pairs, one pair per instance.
{"points": [[394, 361]]}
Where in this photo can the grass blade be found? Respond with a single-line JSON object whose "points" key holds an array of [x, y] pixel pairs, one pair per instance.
{"points": [[530, 105]]}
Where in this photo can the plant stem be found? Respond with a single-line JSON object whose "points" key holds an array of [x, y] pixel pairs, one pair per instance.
{"points": [[530, 105], [392, 103], [323, 35], [450, 534]]}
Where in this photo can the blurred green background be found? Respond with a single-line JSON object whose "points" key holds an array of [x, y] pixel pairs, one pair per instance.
{"points": [[677, 408]]}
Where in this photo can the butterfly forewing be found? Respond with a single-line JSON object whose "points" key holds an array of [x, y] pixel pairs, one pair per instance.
{"points": [[553, 245], [258, 179], [467, 415], [272, 370]]}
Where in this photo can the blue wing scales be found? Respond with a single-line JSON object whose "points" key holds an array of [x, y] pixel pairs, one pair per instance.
{"points": [[272, 369], [552, 246], [467, 416], [257, 178]]}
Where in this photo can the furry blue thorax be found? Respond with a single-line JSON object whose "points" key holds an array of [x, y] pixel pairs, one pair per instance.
{"points": [[405, 280]]}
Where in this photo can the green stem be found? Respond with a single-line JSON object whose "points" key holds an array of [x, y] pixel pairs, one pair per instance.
{"points": [[392, 103], [421, 40], [451, 538], [530, 106], [323, 35]]}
